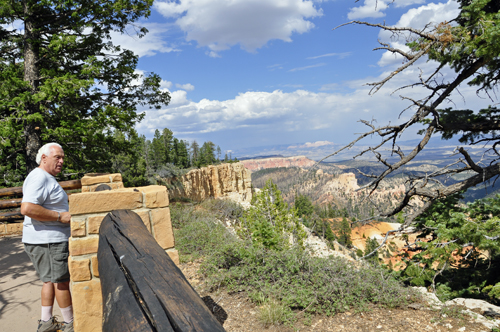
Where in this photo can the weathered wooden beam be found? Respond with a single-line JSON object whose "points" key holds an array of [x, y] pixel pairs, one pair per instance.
{"points": [[142, 288], [15, 216], [13, 203], [18, 191], [10, 203]]}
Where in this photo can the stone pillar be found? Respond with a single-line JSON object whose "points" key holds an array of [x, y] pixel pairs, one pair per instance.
{"points": [[88, 209]]}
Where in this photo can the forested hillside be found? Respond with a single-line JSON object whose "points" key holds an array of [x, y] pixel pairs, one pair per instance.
{"points": [[331, 187], [164, 156]]}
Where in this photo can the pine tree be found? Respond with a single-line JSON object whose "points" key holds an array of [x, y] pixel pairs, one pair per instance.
{"points": [[269, 222], [158, 152], [62, 80], [195, 154], [343, 230]]}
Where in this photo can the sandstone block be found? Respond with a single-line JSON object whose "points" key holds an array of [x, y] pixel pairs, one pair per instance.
{"points": [[3, 228], [144, 214], [174, 255], [78, 227], [14, 228], [116, 177], [79, 269], [95, 270], [83, 246], [155, 196], [113, 185], [89, 180], [87, 306], [104, 201], [94, 224], [85, 189], [162, 227]]}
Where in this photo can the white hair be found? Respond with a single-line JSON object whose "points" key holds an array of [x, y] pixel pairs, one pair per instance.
{"points": [[45, 150]]}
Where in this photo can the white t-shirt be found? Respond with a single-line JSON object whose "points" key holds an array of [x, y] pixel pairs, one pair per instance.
{"points": [[42, 188]]}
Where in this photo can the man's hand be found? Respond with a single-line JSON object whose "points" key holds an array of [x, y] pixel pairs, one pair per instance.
{"points": [[65, 217], [40, 213]]}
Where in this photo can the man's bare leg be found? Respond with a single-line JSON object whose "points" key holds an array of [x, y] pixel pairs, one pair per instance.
{"points": [[63, 297], [48, 294]]}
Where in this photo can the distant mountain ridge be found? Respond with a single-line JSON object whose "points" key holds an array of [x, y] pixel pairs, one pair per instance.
{"points": [[436, 148], [275, 162]]}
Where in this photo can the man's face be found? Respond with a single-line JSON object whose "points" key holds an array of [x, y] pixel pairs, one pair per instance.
{"points": [[52, 164]]}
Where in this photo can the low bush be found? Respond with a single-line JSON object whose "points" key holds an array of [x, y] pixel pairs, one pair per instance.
{"points": [[299, 281], [280, 281], [198, 231]]}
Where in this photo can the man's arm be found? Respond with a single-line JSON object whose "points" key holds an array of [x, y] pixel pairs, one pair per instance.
{"points": [[40, 213]]}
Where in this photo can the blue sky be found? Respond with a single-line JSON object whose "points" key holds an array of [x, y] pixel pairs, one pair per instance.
{"points": [[246, 73]]}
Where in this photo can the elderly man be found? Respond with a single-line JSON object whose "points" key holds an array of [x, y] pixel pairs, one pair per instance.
{"points": [[46, 230]]}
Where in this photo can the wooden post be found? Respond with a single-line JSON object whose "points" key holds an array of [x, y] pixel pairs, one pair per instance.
{"points": [[142, 289]]}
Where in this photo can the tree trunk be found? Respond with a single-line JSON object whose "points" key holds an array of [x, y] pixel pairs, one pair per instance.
{"points": [[32, 131]]}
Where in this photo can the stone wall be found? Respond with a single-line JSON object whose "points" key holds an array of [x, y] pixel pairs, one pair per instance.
{"points": [[88, 209], [215, 181], [14, 228]]}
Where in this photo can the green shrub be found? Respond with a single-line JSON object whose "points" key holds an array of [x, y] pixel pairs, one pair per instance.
{"points": [[299, 281], [269, 222], [273, 312], [280, 281], [198, 231]]}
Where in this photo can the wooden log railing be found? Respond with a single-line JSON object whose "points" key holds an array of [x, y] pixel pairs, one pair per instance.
{"points": [[142, 288], [15, 203]]}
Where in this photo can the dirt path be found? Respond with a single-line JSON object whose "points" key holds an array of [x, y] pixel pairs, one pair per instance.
{"points": [[19, 288]]}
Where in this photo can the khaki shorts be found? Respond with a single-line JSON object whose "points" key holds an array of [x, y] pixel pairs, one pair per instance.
{"points": [[50, 260]]}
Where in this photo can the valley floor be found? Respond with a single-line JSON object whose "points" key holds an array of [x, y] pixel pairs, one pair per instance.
{"points": [[238, 314]]}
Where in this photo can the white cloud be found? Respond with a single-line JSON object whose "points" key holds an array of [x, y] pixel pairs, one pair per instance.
{"points": [[433, 12], [152, 43], [220, 24], [339, 55], [178, 98], [268, 113], [311, 145], [370, 8], [298, 110], [308, 67], [375, 8], [429, 15], [187, 87]]}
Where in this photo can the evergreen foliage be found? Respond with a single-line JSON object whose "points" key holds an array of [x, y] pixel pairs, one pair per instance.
{"points": [[62, 80], [343, 231], [462, 257], [371, 245], [303, 205], [269, 222]]}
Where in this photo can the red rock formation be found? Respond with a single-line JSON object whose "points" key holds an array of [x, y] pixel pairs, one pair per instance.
{"points": [[258, 164]]}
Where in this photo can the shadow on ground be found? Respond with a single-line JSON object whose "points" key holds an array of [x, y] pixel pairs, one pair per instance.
{"points": [[14, 265]]}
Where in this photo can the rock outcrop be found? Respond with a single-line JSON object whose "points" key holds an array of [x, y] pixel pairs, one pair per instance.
{"points": [[258, 164], [231, 181]]}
